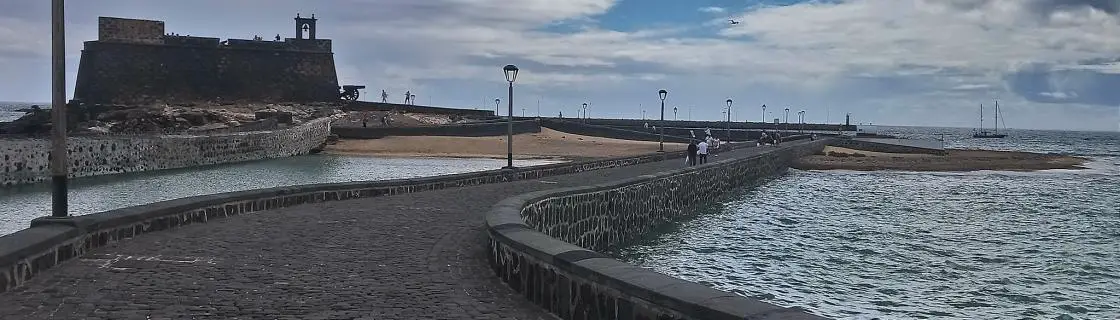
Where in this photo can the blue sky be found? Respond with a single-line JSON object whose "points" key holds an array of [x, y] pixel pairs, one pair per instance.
{"points": [[1053, 64]]}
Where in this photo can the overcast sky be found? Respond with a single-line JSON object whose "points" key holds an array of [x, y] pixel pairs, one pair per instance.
{"points": [[1053, 64]]}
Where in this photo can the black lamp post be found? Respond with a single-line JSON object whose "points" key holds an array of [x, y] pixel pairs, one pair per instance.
{"points": [[729, 120], [674, 113], [511, 75], [585, 112], [764, 120], [801, 120], [661, 126], [496, 102], [787, 119]]}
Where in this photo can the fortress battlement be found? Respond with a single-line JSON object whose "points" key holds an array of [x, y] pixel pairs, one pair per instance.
{"points": [[153, 32]]}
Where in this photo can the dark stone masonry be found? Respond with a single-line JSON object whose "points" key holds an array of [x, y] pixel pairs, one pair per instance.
{"points": [[545, 245], [403, 249], [137, 62]]}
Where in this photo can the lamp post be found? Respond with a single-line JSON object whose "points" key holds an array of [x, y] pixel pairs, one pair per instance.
{"points": [[764, 120], [585, 112], [413, 99], [496, 102], [511, 75], [729, 120], [661, 126], [59, 172], [674, 113], [787, 119], [801, 120]]}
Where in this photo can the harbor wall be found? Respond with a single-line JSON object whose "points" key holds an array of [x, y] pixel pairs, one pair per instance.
{"points": [[358, 106], [547, 245], [873, 146], [28, 160], [488, 129]]}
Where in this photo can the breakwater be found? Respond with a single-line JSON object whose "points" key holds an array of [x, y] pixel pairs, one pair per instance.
{"points": [[545, 245], [487, 129], [27, 160]]}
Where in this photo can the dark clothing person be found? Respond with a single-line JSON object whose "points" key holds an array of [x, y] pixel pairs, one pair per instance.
{"points": [[692, 149]]}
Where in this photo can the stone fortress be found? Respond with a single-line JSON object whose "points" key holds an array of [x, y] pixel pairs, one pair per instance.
{"points": [[136, 71], [136, 62]]}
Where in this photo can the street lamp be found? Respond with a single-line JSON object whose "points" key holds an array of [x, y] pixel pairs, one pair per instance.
{"points": [[496, 102], [729, 120], [801, 120], [59, 172], [674, 113], [661, 126], [787, 119], [413, 99], [764, 120], [585, 112], [511, 75]]}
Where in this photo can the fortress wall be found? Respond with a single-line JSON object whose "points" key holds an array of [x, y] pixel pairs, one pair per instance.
{"points": [[27, 160], [138, 73]]}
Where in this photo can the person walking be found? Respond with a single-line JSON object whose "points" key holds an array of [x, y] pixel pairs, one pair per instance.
{"points": [[407, 96], [763, 139], [702, 151], [692, 149], [384, 96]]}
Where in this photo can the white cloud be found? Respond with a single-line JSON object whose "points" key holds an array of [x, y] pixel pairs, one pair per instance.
{"points": [[834, 52], [712, 10]]}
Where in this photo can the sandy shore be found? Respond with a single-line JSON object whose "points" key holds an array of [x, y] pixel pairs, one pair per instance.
{"points": [[834, 158], [548, 144]]}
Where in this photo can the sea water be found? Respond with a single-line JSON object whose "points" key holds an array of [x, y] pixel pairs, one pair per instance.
{"points": [[918, 245], [20, 204]]}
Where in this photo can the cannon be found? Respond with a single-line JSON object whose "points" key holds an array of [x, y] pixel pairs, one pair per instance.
{"points": [[350, 92]]}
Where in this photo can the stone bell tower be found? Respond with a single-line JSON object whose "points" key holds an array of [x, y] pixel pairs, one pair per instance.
{"points": [[305, 26]]}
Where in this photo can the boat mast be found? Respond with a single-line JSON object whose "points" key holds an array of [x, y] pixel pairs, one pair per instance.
{"points": [[996, 126], [981, 117]]}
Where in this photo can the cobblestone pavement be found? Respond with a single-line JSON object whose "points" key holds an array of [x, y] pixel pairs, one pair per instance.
{"points": [[412, 256]]}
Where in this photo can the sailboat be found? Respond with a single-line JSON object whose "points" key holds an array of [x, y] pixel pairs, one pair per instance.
{"points": [[984, 133]]}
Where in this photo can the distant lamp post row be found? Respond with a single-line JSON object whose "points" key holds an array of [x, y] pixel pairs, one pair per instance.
{"points": [[511, 76]]}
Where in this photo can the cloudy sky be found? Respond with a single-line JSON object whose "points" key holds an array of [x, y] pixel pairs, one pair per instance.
{"points": [[1053, 64]]}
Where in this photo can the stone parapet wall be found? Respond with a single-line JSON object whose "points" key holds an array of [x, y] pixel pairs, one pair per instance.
{"points": [[27, 160], [546, 244]]}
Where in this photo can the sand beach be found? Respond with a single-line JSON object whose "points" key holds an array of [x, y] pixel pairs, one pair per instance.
{"points": [[836, 158]]}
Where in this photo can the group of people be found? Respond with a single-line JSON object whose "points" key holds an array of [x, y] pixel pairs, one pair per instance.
{"points": [[774, 138], [697, 152], [385, 119], [409, 98]]}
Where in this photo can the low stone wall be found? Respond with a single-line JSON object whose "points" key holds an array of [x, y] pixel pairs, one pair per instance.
{"points": [[487, 129], [545, 245], [27, 160], [51, 241], [382, 106], [607, 132], [883, 147]]}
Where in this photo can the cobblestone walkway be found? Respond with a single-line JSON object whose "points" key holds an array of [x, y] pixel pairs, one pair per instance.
{"points": [[412, 256]]}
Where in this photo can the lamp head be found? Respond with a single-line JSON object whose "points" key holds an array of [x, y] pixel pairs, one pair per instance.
{"points": [[662, 93], [729, 103], [511, 72]]}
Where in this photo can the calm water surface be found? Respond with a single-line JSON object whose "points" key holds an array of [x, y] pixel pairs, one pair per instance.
{"points": [[910, 245], [18, 205]]}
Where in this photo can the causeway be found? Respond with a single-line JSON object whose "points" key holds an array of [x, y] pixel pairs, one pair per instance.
{"points": [[418, 255]]}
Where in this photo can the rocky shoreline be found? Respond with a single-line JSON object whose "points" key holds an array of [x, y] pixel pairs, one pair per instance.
{"points": [[85, 119], [956, 160]]}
